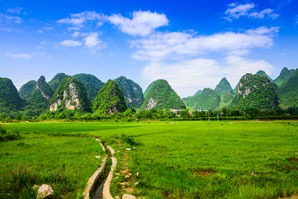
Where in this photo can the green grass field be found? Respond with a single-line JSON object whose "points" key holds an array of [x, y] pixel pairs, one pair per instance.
{"points": [[244, 159]]}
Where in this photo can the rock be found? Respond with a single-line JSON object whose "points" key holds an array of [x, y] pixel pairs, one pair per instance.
{"points": [[128, 176], [44, 191], [128, 196]]}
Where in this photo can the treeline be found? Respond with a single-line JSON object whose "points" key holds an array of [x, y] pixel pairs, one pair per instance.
{"points": [[134, 115]]}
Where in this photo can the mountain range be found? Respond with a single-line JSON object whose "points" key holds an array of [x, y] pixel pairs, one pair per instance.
{"points": [[86, 93]]}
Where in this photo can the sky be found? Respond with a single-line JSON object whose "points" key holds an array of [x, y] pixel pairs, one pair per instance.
{"points": [[190, 43]]}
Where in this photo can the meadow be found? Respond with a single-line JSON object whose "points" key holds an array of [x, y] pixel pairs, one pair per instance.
{"points": [[198, 159]]}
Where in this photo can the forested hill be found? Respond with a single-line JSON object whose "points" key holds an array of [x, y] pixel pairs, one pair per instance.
{"points": [[160, 94], [67, 96]]}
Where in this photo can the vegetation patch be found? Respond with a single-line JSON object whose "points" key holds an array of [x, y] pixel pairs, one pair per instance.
{"points": [[203, 172]]}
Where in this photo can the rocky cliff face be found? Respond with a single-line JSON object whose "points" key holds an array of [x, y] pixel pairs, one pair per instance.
{"points": [[132, 92], [70, 95]]}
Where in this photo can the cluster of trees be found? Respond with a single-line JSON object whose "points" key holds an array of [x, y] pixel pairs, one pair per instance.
{"points": [[133, 114]]}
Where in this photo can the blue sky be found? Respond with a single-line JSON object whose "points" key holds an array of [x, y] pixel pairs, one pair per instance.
{"points": [[192, 44]]}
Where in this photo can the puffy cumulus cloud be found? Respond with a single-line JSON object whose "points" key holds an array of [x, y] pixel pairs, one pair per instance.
{"points": [[142, 22], [70, 43], [92, 40], [77, 20], [88, 40], [235, 11], [188, 76], [160, 46]]}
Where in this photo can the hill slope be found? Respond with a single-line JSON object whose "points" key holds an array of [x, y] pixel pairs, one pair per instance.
{"points": [[133, 93], [9, 96], [255, 92], [27, 89], [39, 100], [91, 83], [225, 91], [288, 92], [54, 83], [110, 99], [70, 95], [160, 94], [208, 99], [283, 77]]}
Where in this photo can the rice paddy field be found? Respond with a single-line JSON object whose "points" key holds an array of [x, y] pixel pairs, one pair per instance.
{"points": [[198, 159]]}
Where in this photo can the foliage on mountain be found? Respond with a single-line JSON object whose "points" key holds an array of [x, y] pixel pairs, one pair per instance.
{"points": [[208, 99], [133, 93], [54, 83], [70, 95], [223, 86], [288, 92], [225, 91], [39, 100], [198, 92], [160, 94], [91, 83], [263, 74], [284, 76], [9, 96], [110, 99], [256, 92], [27, 89]]}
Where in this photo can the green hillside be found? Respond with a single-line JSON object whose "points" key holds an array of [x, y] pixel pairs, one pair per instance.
{"points": [[39, 100], [54, 83], [208, 99], [109, 100], [257, 92], [70, 95], [9, 96], [160, 94], [27, 89], [225, 91], [288, 92], [133, 93], [91, 83], [283, 77], [263, 74]]}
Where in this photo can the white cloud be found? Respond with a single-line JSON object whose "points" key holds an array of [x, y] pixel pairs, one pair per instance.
{"points": [[10, 18], [14, 10], [264, 13], [159, 46], [142, 23], [20, 55], [70, 43], [235, 11], [188, 76], [78, 19], [92, 40], [76, 34]]}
